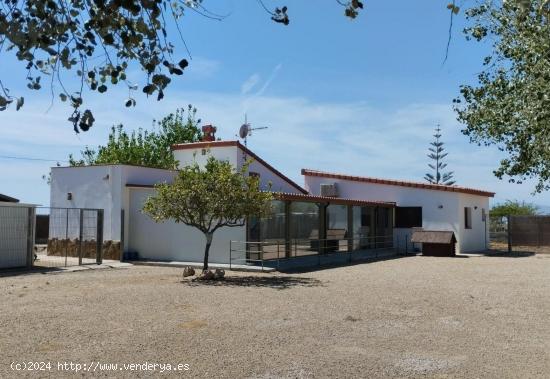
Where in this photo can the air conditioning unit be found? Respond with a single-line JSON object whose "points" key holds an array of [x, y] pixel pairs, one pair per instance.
{"points": [[329, 190]]}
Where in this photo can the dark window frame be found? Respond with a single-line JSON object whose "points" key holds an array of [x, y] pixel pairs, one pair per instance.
{"points": [[408, 217], [467, 217]]}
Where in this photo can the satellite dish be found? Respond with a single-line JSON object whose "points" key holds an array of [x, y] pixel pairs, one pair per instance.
{"points": [[244, 130]]}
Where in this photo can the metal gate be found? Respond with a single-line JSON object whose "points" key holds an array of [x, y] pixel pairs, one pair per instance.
{"points": [[68, 237]]}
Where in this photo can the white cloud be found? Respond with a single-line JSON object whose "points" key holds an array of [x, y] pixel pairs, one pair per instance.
{"points": [[270, 79], [351, 138], [200, 67], [250, 83]]}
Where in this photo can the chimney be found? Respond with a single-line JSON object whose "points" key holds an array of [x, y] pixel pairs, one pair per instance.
{"points": [[208, 133]]}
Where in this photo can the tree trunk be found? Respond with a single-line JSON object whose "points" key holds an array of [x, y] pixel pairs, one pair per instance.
{"points": [[207, 250]]}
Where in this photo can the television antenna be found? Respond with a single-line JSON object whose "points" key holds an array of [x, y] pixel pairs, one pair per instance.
{"points": [[246, 129]]}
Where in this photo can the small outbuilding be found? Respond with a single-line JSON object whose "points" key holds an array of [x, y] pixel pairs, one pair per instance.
{"points": [[435, 243]]}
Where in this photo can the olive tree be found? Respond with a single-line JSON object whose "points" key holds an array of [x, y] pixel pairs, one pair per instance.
{"points": [[209, 198]]}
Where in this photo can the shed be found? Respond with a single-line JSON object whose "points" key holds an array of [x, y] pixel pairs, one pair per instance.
{"points": [[16, 234], [436, 243]]}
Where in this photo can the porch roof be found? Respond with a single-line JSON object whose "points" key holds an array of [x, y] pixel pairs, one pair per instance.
{"points": [[308, 198]]}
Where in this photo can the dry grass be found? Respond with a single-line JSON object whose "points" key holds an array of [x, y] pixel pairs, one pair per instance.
{"points": [[407, 317]]}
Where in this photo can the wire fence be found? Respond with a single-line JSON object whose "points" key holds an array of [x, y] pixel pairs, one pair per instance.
{"points": [[294, 253], [73, 236]]}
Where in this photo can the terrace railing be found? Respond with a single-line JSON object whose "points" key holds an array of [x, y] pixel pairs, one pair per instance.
{"points": [[275, 253]]}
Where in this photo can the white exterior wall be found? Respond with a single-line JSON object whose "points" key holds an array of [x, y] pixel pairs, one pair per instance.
{"points": [[449, 217], [267, 177], [186, 157], [101, 187], [477, 238], [235, 156], [91, 187], [172, 241]]}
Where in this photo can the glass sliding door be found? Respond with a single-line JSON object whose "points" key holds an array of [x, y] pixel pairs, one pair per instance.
{"points": [[384, 227], [304, 228], [337, 228], [364, 227], [270, 231]]}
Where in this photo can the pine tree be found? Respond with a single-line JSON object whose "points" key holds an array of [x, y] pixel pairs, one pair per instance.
{"points": [[437, 154]]}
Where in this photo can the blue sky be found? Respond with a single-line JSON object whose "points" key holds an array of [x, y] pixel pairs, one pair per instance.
{"points": [[359, 97]]}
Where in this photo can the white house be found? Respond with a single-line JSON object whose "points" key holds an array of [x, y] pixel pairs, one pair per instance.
{"points": [[363, 209], [121, 190], [461, 210]]}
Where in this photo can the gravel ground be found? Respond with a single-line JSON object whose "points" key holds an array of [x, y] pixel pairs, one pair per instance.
{"points": [[407, 317]]}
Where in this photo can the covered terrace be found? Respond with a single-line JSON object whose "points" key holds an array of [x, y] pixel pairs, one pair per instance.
{"points": [[305, 225]]}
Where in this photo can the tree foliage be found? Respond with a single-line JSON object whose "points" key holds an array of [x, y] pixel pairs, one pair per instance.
{"points": [[510, 105], [209, 198], [142, 147], [437, 154], [99, 41], [500, 212], [513, 208]]}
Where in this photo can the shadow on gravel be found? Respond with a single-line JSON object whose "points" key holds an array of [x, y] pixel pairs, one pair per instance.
{"points": [[25, 271], [275, 282], [330, 266], [506, 254]]}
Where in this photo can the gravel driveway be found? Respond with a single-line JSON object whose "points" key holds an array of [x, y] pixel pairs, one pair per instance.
{"points": [[407, 317]]}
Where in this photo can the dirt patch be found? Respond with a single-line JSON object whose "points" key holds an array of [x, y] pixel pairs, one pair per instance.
{"points": [[194, 324], [485, 316]]}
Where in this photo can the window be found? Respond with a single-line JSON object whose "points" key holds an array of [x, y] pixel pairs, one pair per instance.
{"points": [[468, 218], [408, 217]]}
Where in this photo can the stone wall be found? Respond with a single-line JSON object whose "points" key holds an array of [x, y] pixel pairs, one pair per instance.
{"points": [[60, 247]]}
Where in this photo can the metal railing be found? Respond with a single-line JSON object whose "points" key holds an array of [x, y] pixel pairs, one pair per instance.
{"points": [[273, 252]]}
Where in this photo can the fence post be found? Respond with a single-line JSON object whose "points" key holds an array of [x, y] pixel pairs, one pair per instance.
{"points": [[509, 230], [30, 237], [122, 232], [230, 253], [66, 234], [278, 244], [99, 233], [539, 227], [80, 235]]}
